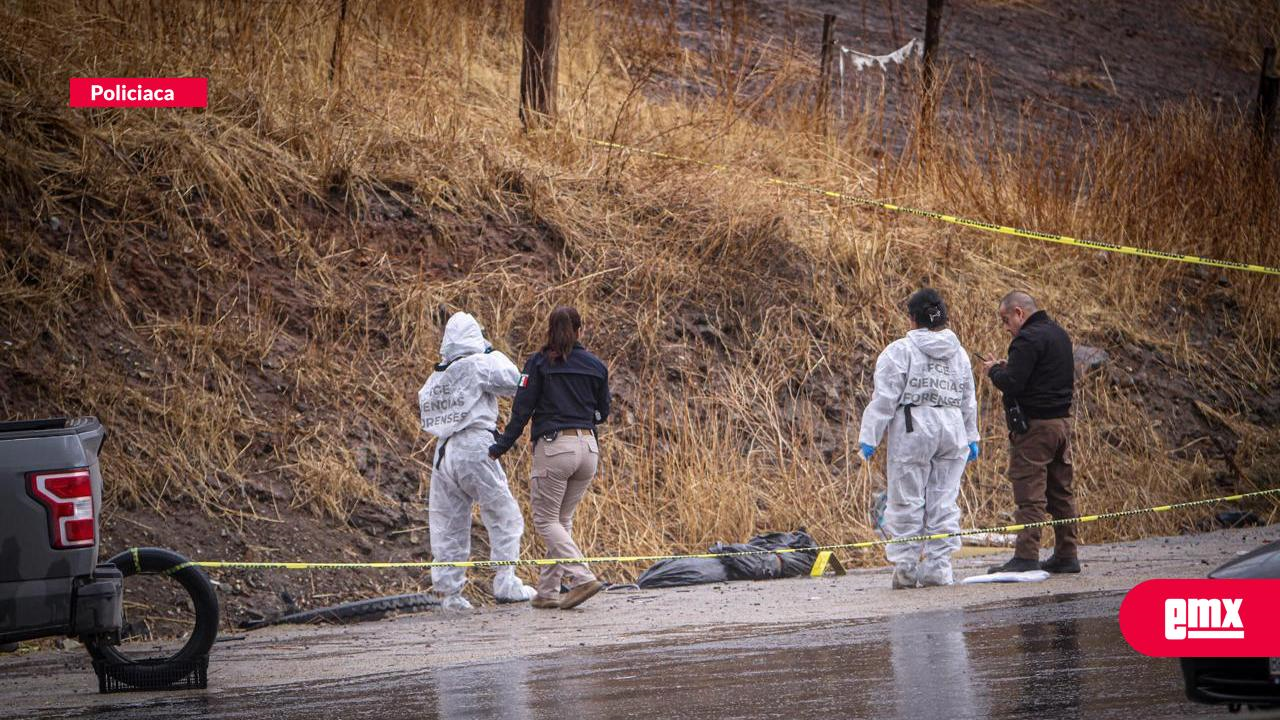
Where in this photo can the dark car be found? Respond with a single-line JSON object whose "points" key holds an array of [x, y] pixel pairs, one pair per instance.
{"points": [[1238, 682]]}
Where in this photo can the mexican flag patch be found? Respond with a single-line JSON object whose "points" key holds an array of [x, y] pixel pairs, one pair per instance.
{"points": [[524, 381]]}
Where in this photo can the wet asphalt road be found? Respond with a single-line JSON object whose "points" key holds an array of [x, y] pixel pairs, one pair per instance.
{"points": [[1061, 657]]}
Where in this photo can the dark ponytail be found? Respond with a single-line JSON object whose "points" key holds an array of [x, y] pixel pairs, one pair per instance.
{"points": [[927, 309], [562, 332]]}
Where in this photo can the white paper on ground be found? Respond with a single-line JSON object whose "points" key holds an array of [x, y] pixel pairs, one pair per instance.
{"points": [[1008, 577]]}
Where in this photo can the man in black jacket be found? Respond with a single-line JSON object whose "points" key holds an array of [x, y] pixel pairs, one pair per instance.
{"points": [[1037, 382]]}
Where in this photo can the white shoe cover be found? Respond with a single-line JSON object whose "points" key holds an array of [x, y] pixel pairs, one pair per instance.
{"points": [[507, 588], [455, 603], [904, 576], [936, 572]]}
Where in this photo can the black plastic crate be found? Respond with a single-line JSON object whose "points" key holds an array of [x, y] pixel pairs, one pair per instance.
{"points": [[152, 675]]}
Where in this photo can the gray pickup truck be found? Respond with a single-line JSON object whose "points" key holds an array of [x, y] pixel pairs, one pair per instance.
{"points": [[51, 583], [50, 500]]}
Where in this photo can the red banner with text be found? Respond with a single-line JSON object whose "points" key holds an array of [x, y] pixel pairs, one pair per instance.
{"points": [[139, 92], [1203, 618]]}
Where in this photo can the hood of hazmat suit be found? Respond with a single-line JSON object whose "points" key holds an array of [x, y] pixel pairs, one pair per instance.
{"points": [[462, 336], [459, 405], [924, 402], [937, 344]]}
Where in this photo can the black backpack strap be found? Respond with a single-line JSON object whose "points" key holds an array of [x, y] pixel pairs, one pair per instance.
{"points": [[440, 452]]}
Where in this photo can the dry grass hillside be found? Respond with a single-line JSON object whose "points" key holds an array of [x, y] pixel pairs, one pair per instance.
{"points": [[250, 295]]}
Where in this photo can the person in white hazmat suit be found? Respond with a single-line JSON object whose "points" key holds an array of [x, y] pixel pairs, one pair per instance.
{"points": [[459, 405], [924, 400]]}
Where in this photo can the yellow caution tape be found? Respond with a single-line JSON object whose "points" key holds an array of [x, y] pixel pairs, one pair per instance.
{"points": [[654, 558], [966, 222]]}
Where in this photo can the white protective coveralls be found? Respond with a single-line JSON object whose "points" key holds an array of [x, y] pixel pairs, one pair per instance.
{"points": [[930, 371], [459, 405]]}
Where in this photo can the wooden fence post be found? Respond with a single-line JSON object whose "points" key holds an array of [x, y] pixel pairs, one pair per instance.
{"points": [[1268, 90], [932, 27], [335, 57], [824, 69], [538, 64]]}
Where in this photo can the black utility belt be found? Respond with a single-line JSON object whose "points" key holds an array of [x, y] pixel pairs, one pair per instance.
{"points": [[1019, 423]]}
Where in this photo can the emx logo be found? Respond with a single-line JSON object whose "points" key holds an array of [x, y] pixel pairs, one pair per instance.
{"points": [[1203, 618]]}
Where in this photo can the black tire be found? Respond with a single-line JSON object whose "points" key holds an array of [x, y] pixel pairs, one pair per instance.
{"points": [[160, 671]]}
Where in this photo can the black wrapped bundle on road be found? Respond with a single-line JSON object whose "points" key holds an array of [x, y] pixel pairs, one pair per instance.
{"points": [[759, 566], [683, 571]]}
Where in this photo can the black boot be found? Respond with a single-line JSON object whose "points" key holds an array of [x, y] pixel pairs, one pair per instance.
{"points": [[1016, 564], [1056, 564]]}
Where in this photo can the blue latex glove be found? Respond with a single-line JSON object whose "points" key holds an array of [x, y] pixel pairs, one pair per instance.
{"points": [[973, 452], [867, 451]]}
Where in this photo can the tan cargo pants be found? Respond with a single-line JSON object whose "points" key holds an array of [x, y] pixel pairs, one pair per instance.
{"points": [[562, 471], [1041, 473]]}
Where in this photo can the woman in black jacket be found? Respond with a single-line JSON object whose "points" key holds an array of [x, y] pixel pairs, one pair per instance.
{"points": [[565, 390]]}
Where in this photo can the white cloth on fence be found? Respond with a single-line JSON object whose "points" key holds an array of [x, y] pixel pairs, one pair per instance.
{"points": [[862, 61]]}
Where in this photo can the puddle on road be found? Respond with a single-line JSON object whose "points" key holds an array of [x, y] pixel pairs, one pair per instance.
{"points": [[1056, 657]]}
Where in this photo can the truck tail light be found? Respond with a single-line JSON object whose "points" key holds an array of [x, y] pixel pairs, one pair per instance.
{"points": [[68, 497]]}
